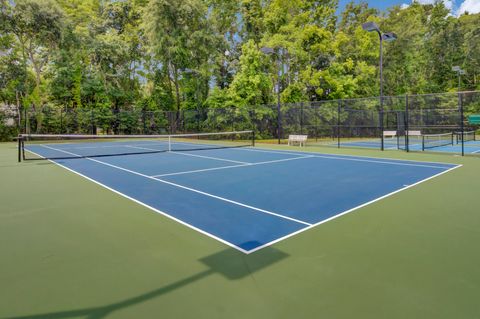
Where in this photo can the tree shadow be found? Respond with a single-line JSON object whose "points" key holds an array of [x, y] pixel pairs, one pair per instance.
{"points": [[229, 263]]}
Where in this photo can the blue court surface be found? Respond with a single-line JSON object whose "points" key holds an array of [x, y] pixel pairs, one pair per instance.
{"points": [[247, 198], [470, 147]]}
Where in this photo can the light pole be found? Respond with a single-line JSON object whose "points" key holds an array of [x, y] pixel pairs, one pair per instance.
{"points": [[270, 51], [388, 36], [460, 72]]}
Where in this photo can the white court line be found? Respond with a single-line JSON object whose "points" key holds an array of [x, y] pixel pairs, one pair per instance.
{"points": [[147, 206], [194, 155], [108, 146], [186, 188], [389, 161], [210, 157], [226, 242], [233, 166], [350, 210]]}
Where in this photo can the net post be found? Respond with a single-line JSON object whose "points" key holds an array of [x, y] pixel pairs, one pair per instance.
{"points": [[253, 138], [423, 143], [19, 148]]}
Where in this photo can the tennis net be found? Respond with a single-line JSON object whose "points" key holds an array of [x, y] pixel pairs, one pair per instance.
{"points": [[467, 136], [46, 146], [436, 140]]}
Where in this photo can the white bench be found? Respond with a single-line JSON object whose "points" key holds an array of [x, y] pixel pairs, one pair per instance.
{"points": [[297, 139], [391, 134], [414, 133]]}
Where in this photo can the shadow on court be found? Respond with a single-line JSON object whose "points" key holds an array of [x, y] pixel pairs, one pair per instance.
{"points": [[230, 263]]}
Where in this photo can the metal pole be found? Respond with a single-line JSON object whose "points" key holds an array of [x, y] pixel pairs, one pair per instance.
{"points": [[92, 122], [338, 122], [462, 128], [279, 112], [407, 141], [381, 91], [301, 118], [19, 149]]}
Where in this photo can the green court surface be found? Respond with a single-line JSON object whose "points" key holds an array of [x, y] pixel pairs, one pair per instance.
{"points": [[72, 249]]}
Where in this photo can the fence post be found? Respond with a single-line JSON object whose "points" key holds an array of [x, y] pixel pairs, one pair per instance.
{"points": [[381, 123], [26, 120], [338, 122], [462, 126], [92, 121], [279, 117], [407, 128], [61, 121], [144, 121], [301, 118]]}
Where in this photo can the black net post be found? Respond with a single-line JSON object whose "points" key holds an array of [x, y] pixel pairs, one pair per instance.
{"points": [[462, 125], [19, 149]]}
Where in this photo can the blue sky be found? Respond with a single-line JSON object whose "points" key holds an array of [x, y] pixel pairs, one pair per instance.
{"points": [[457, 7], [379, 4]]}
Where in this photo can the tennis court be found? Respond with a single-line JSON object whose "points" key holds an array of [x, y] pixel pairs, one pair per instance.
{"points": [[442, 143], [245, 197]]}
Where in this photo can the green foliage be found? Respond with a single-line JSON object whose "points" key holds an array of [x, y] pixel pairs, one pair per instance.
{"points": [[164, 55], [7, 131], [251, 85]]}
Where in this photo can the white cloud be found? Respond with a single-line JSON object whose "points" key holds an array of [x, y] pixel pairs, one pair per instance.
{"points": [[470, 6], [448, 3]]}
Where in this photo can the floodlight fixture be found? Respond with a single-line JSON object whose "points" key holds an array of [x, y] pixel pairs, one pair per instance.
{"points": [[459, 72], [389, 36], [370, 26]]}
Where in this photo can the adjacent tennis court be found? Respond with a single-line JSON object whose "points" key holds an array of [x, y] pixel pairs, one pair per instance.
{"points": [[243, 196], [443, 142]]}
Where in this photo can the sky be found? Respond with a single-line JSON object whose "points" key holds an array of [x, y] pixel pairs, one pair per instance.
{"points": [[457, 6]]}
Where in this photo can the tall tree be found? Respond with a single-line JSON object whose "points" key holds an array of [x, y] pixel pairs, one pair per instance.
{"points": [[179, 36]]}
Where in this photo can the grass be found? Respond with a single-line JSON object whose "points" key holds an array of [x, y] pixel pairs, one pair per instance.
{"points": [[72, 249]]}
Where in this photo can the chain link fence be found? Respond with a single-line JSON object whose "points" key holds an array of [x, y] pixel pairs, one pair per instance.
{"points": [[395, 122]]}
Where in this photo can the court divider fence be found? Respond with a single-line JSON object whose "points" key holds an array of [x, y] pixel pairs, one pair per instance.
{"points": [[410, 122]]}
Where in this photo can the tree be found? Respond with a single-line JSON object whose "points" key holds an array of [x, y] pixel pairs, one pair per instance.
{"points": [[37, 25]]}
